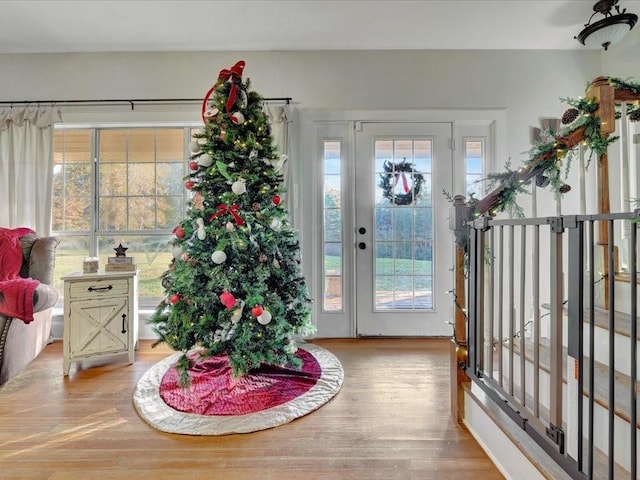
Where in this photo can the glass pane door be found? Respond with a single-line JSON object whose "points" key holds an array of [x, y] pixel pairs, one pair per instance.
{"points": [[403, 243]]}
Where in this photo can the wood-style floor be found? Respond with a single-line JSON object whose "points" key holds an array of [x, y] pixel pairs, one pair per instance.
{"points": [[390, 421]]}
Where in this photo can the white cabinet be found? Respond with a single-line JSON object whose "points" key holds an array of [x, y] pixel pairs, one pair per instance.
{"points": [[100, 316]]}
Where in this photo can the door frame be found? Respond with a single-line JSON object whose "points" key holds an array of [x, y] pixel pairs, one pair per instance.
{"points": [[308, 193]]}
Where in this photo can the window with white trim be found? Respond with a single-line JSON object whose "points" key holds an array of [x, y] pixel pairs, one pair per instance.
{"points": [[119, 186]]}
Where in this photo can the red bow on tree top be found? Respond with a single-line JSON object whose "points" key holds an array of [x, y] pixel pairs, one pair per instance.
{"points": [[234, 75]]}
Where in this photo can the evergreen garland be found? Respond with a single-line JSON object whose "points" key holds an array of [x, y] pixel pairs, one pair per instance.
{"points": [[544, 163], [546, 158], [628, 85]]}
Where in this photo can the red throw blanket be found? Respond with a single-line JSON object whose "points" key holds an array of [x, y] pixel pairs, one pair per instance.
{"points": [[16, 293]]}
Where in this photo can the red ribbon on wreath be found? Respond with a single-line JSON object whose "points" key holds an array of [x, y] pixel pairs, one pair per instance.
{"points": [[405, 183], [232, 210], [234, 74]]}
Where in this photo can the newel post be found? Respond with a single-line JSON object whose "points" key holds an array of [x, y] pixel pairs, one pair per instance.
{"points": [[604, 95], [458, 217]]}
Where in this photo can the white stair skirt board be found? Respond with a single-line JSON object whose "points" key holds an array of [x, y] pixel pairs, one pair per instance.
{"points": [[601, 437], [510, 448]]}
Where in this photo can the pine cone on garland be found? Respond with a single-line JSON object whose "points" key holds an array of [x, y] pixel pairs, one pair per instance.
{"points": [[569, 116], [542, 181], [635, 115], [564, 188]]}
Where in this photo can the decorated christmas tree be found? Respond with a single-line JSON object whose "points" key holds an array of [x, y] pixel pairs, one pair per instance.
{"points": [[234, 286]]}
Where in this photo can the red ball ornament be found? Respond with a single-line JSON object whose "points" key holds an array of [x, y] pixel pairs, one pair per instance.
{"points": [[189, 184], [227, 299], [276, 199], [179, 232], [193, 165], [175, 298], [257, 311]]}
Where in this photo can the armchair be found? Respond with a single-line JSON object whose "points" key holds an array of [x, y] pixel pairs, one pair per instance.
{"points": [[20, 343]]}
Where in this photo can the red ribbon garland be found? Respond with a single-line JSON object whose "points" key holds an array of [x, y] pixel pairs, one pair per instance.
{"points": [[233, 211], [235, 75]]}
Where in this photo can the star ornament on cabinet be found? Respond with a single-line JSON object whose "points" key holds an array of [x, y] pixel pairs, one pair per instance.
{"points": [[120, 251]]}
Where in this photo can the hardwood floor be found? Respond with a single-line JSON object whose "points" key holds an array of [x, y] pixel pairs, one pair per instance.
{"points": [[390, 421]]}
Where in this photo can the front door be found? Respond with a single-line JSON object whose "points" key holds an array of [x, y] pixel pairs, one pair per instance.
{"points": [[403, 245]]}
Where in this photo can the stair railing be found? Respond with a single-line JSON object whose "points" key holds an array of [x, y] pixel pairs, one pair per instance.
{"points": [[568, 376], [491, 271]]}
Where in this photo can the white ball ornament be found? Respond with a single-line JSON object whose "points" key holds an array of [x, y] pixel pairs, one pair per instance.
{"points": [[239, 187], [194, 147], [265, 318], [230, 227], [276, 224], [205, 160], [218, 256], [237, 118], [176, 251], [211, 112]]}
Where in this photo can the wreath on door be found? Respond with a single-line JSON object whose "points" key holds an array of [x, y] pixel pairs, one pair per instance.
{"points": [[400, 173]]}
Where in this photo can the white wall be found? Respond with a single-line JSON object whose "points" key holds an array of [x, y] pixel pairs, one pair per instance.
{"points": [[528, 83], [623, 60]]}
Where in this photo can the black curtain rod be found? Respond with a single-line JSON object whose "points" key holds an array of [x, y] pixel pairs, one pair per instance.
{"points": [[115, 102]]}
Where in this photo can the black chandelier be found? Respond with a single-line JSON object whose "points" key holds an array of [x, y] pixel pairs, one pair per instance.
{"points": [[609, 30]]}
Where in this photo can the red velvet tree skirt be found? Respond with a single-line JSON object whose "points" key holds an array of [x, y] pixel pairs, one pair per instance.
{"points": [[216, 403], [215, 391]]}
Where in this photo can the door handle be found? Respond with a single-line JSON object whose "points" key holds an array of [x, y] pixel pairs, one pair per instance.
{"points": [[362, 245], [124, 323]]}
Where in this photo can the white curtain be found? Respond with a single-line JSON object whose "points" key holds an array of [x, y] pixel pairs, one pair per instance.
{"points": [[280, 118], [26, 167]]}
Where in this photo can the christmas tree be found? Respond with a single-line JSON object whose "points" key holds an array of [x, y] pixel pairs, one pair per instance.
{"points": [[234, 286]]}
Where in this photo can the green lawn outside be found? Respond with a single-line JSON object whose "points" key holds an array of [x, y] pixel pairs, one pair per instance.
{"points": [[404, 270]]}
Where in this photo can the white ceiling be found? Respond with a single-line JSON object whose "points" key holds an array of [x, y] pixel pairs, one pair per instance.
{"points": [[215, 25]]}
